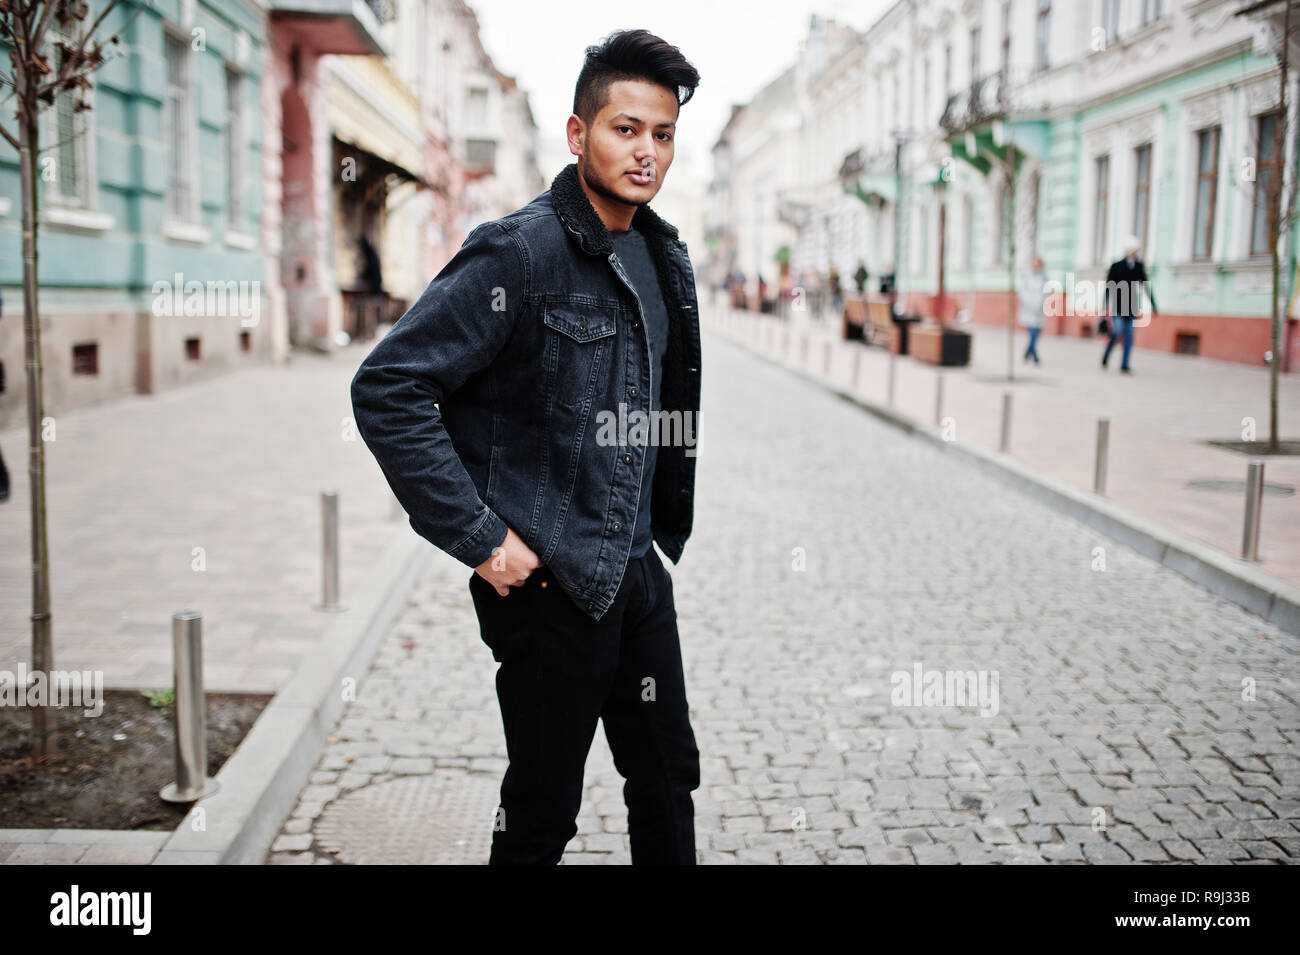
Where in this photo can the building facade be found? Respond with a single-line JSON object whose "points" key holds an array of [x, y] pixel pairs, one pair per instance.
{"points": [[149, 214], [976, 133], [209, 210]]}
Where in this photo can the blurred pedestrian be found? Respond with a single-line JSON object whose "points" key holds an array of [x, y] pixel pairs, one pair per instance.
{"points": [[860, 277], [1033, 296], [370, 279], [1121, 299], [837, 294]]}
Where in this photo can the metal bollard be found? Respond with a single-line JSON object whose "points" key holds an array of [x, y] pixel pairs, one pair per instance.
{"points": [[1103, 456], [826, 358], [1004, 442], [889, 387], [329, 504], [1254, 496], [857, 368], [938, 398], [192, 781]]}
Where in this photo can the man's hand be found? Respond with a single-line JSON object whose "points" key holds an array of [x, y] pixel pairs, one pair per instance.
{"points": [[510, 564]]}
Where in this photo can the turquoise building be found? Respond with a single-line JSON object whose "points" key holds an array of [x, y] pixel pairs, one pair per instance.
{"points": [[150, 250]]}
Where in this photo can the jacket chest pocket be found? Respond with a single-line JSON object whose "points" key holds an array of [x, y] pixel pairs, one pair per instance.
{"points": [[580, 352]]}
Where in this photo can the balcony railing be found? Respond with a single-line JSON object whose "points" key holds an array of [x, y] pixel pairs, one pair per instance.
{"points": [[987, 98]]}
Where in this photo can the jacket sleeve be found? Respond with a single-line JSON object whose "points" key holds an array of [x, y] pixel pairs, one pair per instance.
{"points": [[456, 327]]}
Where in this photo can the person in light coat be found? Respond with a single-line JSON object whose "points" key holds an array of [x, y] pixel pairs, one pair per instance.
{"points": [[1033, 296]]}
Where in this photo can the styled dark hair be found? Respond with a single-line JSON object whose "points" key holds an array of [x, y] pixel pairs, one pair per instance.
{"points": [[631, 55]]}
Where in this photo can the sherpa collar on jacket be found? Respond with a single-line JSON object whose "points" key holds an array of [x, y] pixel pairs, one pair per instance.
{"points": [[580, 217]]}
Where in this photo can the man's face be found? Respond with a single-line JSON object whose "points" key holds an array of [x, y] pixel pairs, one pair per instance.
{"points": [[625, 154]]}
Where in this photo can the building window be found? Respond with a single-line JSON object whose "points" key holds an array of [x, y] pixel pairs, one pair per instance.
{"points": [[1141, 191], [236, 146], [1110, 19], [1152, 10], [85, 358], [974, 56], [1207, 187], [1266, 168], [1042, 34], [69, 134], [480, 152], [1100, 204], [179, 129], [476, 103]]}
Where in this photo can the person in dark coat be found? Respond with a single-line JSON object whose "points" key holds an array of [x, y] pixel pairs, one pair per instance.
{"points": [[1121, 298]]}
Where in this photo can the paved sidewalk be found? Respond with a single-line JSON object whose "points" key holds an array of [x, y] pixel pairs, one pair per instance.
{"points": [[233, 466], [1160, 417], [830, 553]]}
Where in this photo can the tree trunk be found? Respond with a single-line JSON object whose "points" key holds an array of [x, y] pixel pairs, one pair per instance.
{"points": [[1010, 213], [42, 636], [1274, 230]]}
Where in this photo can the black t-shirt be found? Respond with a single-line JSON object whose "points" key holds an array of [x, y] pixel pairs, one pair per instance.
{"points": [[635, 257]]}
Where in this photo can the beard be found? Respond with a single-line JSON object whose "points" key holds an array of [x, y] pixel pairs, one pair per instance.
{"points": [[603, 188]]}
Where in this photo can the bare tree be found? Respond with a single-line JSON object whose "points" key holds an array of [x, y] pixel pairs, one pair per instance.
{"points": [[52, 50], [1281, 199]]}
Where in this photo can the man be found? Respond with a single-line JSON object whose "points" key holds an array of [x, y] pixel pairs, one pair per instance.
{"points": [[1121, 298], [1033, 294], [491, 407]]}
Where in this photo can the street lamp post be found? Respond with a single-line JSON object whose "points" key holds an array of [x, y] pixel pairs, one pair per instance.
{"points": [[900, 145]]}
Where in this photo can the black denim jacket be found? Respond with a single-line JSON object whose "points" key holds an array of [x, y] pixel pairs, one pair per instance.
{"points": [[495, 400]]}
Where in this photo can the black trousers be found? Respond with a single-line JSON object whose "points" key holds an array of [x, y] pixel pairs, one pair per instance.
{"points": [[560, 672]]}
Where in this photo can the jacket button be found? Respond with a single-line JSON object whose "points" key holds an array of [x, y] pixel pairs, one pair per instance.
{"points": [[632, 392], [616, 526], [627, 459]]}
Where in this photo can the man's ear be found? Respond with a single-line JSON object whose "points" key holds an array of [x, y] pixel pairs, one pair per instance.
{"points": [[576, 133]]}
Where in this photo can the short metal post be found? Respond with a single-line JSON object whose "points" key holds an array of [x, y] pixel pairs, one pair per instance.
{"points": [[857, 367], [1103, 456], [889, 388], [1004, 443], [329, 502], [826, 358], [192, 781], [938, 398], [1254, 495]]}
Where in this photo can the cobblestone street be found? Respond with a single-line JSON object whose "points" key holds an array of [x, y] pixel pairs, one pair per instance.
{"points": [[1134, 717]]}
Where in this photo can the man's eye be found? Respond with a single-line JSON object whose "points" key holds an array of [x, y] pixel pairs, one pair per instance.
{"points": [[667, 137], [623, 127]]}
